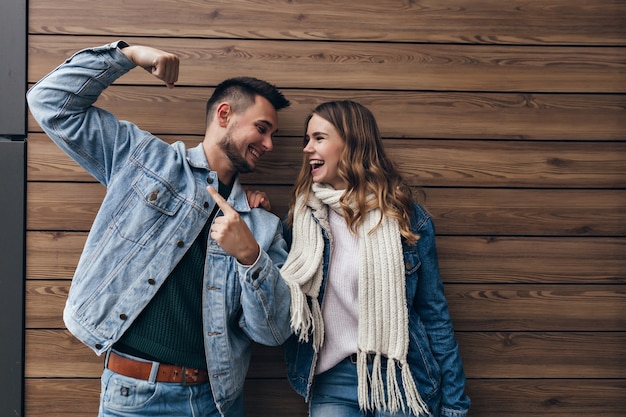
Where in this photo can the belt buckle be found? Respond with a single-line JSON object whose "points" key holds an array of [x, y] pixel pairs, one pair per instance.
{"points": [[193, 380]]}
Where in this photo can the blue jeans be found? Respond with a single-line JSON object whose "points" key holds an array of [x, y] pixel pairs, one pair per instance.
{"points": [[122, 396], [334, 394]]}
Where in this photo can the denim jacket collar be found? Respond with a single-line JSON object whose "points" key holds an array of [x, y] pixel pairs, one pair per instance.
{"points": [[237, 198]]}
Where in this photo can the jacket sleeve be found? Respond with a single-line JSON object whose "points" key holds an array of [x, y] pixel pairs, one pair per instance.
{"points": [[63, 104], [265, 296], [432, 307]]}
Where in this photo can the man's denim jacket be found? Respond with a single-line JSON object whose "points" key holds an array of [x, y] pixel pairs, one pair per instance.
{"points": [[155, 205], [433, 354]]}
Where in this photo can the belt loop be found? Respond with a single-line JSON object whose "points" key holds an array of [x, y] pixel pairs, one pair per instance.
{"points": [[106, 358], [154, 372]]}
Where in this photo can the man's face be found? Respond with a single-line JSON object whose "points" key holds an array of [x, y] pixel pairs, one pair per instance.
{"points": [[249, 135]]}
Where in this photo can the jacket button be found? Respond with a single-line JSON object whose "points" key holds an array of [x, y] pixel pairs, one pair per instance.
{"points": [[98, 346], [151, 281], [209, 180], [153, 195], [180, 243], [206, 204], [255, 274], [123, 316], [408, 265]]}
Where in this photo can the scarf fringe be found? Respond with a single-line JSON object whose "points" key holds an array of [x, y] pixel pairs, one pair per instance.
{"points": [[306, 322], [394, 395], [413, 398], [301, 318], [371, 388], [362, 377]]}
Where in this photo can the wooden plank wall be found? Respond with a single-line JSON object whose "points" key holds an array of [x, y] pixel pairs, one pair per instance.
{"points": [[508, 118]]}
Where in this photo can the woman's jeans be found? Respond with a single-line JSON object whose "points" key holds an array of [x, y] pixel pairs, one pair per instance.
{"points": [[122, 396], [335, 394]]}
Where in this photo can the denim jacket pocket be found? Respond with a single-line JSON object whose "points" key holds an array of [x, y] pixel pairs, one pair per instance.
{"points": [[145, 207]]}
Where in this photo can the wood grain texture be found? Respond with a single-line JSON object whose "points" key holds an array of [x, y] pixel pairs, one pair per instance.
{"points": [[587, 22], [351, 65], [548, 260], [430, 115], [532, 260], [53, 254], [550, 397], [423, 162], [462, 211], [473, 307], [485, 355]]}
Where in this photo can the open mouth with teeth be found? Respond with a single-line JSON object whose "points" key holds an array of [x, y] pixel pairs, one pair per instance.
{"points": [[316, 164], [256, 154]]}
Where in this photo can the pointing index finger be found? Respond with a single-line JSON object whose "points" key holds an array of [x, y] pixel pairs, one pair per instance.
{"points": [[219, 200]]}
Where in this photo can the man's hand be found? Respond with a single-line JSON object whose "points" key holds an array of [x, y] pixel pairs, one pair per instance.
{"points": [[232, 233], [161, 64]]}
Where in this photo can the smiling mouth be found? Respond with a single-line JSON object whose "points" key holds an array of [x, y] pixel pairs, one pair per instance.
{"points": [[256, 154], [316, 164]]}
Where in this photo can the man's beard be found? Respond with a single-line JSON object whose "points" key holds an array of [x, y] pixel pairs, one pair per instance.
{"points": [[240, 163]]}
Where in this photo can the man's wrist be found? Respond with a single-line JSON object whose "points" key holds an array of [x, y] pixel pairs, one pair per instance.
{"points": [[254, 257]]}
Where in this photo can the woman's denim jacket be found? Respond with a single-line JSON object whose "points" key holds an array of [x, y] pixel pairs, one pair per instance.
{"points": [[433, 353], [155, 205]]}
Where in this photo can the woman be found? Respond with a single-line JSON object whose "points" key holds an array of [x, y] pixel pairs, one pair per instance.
{"points": [[373, 336]]}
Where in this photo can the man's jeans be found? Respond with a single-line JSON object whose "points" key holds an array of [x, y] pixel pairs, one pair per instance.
{"points": [[122, 396]]}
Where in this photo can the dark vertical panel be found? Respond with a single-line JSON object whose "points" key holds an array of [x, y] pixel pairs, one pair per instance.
{"points": [[12, 203], [13, 68], [12, 243]]}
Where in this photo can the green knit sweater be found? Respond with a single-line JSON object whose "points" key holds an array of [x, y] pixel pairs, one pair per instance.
{"points": [[169, 329]]}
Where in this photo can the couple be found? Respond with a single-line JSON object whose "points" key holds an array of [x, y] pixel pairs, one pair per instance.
{"points": [[179, 274]]}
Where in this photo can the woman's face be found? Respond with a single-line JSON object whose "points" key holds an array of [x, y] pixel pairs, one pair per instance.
{"points": [[323, 149]]}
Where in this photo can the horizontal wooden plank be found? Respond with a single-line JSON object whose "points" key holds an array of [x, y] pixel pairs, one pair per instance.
{"points": [[351, 65], [474, 307], [543, 354], [62, 206], [494, 212], [53, 254], [442, 163], [590, 22], [44, 302], [273, 397], [71, 357], [462, 259], [536, 307], [485, 355], [547, 397], [457, 211], [46, 161], [540, 260], [61, 397], [400, 114]]}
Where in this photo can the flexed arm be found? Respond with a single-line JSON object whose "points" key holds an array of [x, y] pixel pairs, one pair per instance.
{"points": [[163, 65], [63, 103]]}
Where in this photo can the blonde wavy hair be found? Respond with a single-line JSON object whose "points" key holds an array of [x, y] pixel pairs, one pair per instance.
{"points": [[364, 166]]}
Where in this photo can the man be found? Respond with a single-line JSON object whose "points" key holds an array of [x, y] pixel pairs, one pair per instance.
{"points": [[178, 274]]}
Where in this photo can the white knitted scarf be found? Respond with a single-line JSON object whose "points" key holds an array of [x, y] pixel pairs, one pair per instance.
{"points": [[383, 315]]}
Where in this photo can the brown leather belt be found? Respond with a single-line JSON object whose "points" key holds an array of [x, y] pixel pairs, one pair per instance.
{"points": [[166, 373]]}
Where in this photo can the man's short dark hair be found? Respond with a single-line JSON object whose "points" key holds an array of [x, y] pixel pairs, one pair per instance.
{"points": [[240, 92]]}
